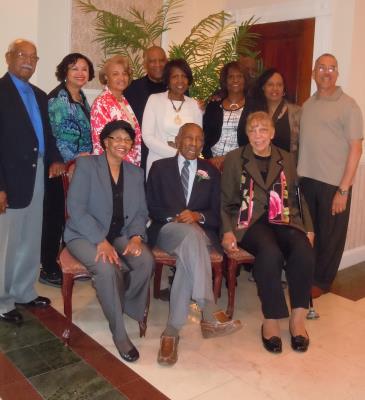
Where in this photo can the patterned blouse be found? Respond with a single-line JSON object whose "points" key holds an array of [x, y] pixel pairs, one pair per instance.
{"points": [[70, 123], [106, 108]]}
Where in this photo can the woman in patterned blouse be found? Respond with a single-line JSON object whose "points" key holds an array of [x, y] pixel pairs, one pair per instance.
{"points": [[69, 114], [224, 121], [111, 105]]}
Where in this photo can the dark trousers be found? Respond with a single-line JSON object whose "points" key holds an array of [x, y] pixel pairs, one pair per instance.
{"points": [[53, 224], [330, 230], [276, 247]]}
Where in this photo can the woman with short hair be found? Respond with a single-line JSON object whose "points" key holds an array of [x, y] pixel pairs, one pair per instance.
{"points": [[166, 112], [69, 115], [106, 231], [111, 104], [263, 214]]}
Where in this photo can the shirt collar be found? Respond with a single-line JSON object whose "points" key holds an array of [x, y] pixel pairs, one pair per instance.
{"points": [[19, 83], [181, 159], [333, 97]]}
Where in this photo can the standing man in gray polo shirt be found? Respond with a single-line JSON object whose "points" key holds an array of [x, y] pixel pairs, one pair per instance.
{"points": [[331, 133]]}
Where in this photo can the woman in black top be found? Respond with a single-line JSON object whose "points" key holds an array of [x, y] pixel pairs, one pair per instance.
{"points": [[224, 121], [270, 96]]}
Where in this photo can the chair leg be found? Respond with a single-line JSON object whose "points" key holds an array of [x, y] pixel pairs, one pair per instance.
{"points": [[231, 283], [143, 324], [67, 287], [157, 280], [217, 279]]}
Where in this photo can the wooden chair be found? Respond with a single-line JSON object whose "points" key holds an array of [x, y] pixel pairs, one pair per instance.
{"points": [[162, 258], [233, 261]]}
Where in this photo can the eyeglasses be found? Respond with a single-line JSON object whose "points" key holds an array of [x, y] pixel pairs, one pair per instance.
{"points": [[330, 69], [25, 56], [119, 139]]}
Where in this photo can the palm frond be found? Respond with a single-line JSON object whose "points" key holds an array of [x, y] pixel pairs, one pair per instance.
{"points": [[211, 43], [246, 40]]}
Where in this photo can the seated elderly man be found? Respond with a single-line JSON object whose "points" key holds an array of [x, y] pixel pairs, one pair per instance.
{"points": [[183, 195]]}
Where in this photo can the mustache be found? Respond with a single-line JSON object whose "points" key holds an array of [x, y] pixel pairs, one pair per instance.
{"points": [[27, 66]]}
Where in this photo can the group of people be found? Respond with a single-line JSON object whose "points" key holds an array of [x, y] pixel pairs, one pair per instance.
{"points": [[152, 122]]}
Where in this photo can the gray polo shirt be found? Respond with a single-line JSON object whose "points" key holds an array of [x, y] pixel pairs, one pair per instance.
{"points": [[327, 126]]}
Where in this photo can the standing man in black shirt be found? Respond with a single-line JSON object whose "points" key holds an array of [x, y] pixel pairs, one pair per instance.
{"points": [[139, 90]]}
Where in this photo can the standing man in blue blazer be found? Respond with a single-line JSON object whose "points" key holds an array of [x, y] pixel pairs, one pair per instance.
{"points": [[26, 147], [183, 197]]}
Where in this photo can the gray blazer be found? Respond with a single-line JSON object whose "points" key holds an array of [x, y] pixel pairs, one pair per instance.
{"points": [[90, 201]]}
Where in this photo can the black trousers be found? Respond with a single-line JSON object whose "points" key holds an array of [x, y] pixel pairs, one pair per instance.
{"points": [[276, 247], [53, 224], [330, 230]]}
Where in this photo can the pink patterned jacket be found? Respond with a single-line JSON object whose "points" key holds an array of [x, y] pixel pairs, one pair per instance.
{"points": [[106, 108]]}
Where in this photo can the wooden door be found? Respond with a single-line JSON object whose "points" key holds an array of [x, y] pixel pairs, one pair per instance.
{"points": [[288, 46]]}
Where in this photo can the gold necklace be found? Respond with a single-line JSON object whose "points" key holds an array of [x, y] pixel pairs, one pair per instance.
{"points": [[177, 118]]}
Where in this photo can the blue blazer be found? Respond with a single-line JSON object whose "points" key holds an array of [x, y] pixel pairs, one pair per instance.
{"points": [[90, 201]]}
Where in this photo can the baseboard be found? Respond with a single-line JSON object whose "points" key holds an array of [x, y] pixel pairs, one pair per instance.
{"points": [[352, 257]]}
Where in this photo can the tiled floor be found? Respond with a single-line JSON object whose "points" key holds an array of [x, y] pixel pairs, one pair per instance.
{"points": [[232, 367]]}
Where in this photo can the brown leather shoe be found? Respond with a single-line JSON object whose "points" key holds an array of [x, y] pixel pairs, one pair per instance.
{"points": [[167, 355], [222, 325]]}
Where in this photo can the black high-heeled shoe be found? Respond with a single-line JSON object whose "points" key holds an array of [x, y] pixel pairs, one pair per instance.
{"points": [[299, 343], [131, 355], [273, 345]]}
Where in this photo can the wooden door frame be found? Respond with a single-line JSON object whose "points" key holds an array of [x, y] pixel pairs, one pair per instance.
{"points": [[321, 10]]}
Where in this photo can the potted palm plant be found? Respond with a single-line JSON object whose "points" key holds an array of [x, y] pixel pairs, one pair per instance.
{"points": [[213, 42]]}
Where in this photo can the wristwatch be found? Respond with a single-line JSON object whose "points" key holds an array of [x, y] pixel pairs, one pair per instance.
{"points": [[342, 191]]}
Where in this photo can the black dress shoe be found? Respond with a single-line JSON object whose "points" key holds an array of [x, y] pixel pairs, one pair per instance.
{"points": [[273, 345], [13, 316], [51, 279], [165, 294], [299, 343], [131, 355], [37, 302]]}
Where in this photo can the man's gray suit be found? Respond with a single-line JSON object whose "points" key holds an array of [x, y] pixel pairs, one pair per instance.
{"points": [[90, 207]]}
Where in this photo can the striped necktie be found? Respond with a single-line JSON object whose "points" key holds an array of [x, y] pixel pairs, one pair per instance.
{"points": [[185, 178]]}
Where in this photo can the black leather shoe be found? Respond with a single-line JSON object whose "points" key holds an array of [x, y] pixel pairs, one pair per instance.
{"points": [[37, 302], [299, 343], [50, 279], [273, 345], [165, 294], [13, 316], [132, 355]]}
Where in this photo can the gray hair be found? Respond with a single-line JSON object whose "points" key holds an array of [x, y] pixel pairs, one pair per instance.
{"points": [[14, 43], [325, 55]]}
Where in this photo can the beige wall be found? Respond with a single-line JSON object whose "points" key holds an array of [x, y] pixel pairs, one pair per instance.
{"points": [[82, 34], [46, 23], [18, 19]]}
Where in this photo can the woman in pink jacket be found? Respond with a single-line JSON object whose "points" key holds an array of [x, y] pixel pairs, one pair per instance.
{"points": [[110, 105]]}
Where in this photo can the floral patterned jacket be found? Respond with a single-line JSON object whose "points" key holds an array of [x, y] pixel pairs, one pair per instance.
{"points": [[70, 123], [106, 108]]}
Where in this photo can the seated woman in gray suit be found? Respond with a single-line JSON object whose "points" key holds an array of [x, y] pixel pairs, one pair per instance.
{"points": [[261, 212], [106, 231]]}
